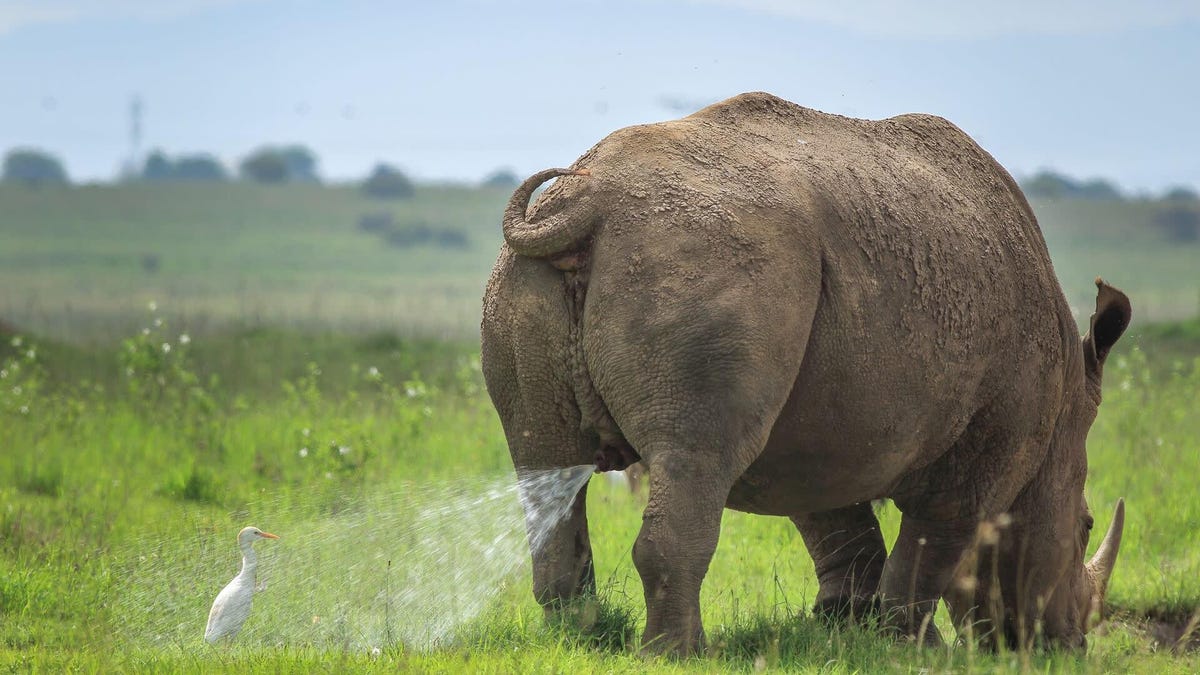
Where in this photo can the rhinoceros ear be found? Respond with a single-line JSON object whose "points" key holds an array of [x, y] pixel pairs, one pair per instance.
{"points": [[1108, 323]]}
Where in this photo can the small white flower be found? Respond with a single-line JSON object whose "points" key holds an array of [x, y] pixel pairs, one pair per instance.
{"points": [[411, 391], [184, 339], [24, 410], [152, 306], [145, 331], [373, 373], [3, 374], [129, 372], [16, 390], [305, 432], [304, 452], [16, 341], [166, 347], [157, 322], [328, 476], [1126, 385], [31, 354], [1158, 441], [343, 449], [375, 652]]}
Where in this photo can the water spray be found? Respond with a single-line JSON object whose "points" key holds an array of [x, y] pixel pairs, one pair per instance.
{"points": [[456, 547]]}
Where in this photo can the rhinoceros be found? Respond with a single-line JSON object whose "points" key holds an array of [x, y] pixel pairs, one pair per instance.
{"points": [[793, 313]]}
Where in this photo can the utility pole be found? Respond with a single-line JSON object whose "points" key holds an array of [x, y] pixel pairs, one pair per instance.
{"points": [[135, 135]]}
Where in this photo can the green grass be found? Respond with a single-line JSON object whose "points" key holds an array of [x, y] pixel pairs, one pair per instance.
{"points": [[120, 495]]}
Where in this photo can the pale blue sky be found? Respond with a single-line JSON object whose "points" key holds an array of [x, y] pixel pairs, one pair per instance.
{"points": [[455, 89]]}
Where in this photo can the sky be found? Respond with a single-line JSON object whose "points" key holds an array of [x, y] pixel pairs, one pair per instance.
{"points": [[455, 89]]}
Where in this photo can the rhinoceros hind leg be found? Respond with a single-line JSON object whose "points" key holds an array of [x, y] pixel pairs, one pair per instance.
{"points": [[848, 553], [680, 527]]}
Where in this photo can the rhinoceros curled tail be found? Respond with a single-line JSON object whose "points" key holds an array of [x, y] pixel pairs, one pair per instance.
{"points": [[548, 236]]}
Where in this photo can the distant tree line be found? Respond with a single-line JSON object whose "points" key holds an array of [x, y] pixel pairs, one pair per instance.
{"points": [[388, 182], [1177, 214], [199, 167], [287, 164], [1049, 184], [271, 164], [503, 179], [29, 166], [266, 165], [298, 164]]}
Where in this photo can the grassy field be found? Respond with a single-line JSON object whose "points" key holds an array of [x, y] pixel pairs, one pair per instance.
{"points": [[328, 390], [122, 492], [1119, 241], [82, 263]]}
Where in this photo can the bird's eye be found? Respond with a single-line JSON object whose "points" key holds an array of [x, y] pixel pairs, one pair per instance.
{"points": [[1089, 522]]}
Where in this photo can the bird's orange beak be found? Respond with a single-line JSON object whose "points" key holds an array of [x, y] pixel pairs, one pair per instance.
{"points": [[268, 535]]}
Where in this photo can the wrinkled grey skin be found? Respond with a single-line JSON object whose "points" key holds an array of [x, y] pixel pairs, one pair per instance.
{"points": [[792, 313]]}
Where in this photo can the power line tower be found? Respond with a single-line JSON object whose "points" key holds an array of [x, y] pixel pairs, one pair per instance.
{"points": [[135, 136]]}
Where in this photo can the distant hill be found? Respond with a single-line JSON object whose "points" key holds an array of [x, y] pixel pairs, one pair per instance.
{"points": [[82, 263]]}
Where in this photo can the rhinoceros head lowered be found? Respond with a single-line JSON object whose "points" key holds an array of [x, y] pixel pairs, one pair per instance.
{"points": [[1027, 580]]}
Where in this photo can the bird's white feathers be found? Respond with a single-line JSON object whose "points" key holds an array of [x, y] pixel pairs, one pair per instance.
{"points": [[231, 609], [232, 606]]}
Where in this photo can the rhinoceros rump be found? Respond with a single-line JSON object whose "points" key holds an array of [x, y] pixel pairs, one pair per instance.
{"points": [[793, 313]]}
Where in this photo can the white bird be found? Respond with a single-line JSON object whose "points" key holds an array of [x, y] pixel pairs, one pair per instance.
{"points": [[232, 606]]}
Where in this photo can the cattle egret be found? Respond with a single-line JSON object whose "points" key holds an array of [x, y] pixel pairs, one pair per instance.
{"points": [[232, 606]]}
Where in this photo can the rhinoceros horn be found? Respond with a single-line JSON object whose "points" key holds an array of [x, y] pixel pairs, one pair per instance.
{"points": [[550, 235], [1101, 565]]}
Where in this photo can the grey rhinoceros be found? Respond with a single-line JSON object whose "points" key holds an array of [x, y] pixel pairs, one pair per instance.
{"points": [[792, 313]]}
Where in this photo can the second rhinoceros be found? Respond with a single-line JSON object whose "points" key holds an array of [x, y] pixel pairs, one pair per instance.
{"points": [[793, 313]]}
